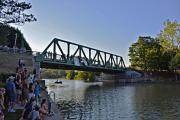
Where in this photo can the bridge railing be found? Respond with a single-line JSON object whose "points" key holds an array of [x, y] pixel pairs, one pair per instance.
{"points": [[17, 50]]}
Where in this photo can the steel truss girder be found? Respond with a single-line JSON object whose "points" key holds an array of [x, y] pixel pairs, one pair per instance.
{"points": [[100, 60]]}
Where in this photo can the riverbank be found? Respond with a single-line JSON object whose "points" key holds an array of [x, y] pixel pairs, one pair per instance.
{"points": [[144, 77], [142, 80]]}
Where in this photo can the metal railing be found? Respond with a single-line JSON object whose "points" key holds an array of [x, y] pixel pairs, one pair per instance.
{"points": [[54, 96], [18, 51]]}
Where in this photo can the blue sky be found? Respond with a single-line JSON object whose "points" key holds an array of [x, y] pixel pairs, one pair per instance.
{"points": [[108, 25]]}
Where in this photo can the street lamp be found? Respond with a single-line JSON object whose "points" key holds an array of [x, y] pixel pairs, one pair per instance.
{"points": [[15, 40]]}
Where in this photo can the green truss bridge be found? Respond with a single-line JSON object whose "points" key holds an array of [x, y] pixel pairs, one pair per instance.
{"points": [[61, 54]]}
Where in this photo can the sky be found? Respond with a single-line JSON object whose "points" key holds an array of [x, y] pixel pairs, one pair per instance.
{"points": [[108, 25]]}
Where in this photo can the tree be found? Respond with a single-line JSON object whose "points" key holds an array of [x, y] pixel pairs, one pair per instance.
{"points": [[175, 61], [91, 77], [157, 54], [53, 73], [13, 11], [175, 64], [70, 74], [170, 41], [81, 75], [145, 53], [170, 36], [7, 37]]}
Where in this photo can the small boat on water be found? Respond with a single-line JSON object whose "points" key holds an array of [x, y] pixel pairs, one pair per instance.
{"points": [[58, 82]]}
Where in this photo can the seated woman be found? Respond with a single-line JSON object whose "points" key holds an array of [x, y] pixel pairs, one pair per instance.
{"points": [[43, 109]]}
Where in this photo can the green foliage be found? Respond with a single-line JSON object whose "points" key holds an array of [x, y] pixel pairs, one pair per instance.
{"points": [[157, 54], [91, 77], [70, 74], [7, 37], [14, 11], [144, 53], [175, 61], [81, 75], [86, 76], [170, 36], [53, 73]]}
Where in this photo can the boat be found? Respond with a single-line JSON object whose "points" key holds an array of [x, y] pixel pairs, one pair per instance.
{"points": [[58, 82]]}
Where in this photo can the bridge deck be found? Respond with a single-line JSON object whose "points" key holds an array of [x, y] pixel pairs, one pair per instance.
{"points": [[54, 65]]}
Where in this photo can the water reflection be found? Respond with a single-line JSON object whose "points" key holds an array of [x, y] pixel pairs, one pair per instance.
{"points": [[81, 101], [158, 101]]}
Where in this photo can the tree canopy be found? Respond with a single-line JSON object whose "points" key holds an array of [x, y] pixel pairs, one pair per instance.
{"points": [[7, 37], [84, 75], [170, 36], [70, 74], [142, 51], [14, 11], [157, 53]]}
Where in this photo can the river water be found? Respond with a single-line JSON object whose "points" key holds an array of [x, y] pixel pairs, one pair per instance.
{"points": [[97, 101]]}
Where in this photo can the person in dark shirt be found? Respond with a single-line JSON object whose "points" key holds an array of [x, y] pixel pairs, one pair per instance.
{"points": [[28, 108]]}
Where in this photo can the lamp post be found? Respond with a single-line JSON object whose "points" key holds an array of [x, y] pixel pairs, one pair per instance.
{"points": [[22, 43], [15, 41]]}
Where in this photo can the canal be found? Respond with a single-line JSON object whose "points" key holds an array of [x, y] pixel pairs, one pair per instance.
{"points": [[97, 101]]}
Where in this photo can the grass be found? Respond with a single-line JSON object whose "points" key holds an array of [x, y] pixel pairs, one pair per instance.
{"points": [[13, 116]]}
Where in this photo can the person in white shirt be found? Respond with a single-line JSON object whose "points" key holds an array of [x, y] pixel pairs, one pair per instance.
{"points": [[30, 78]]}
